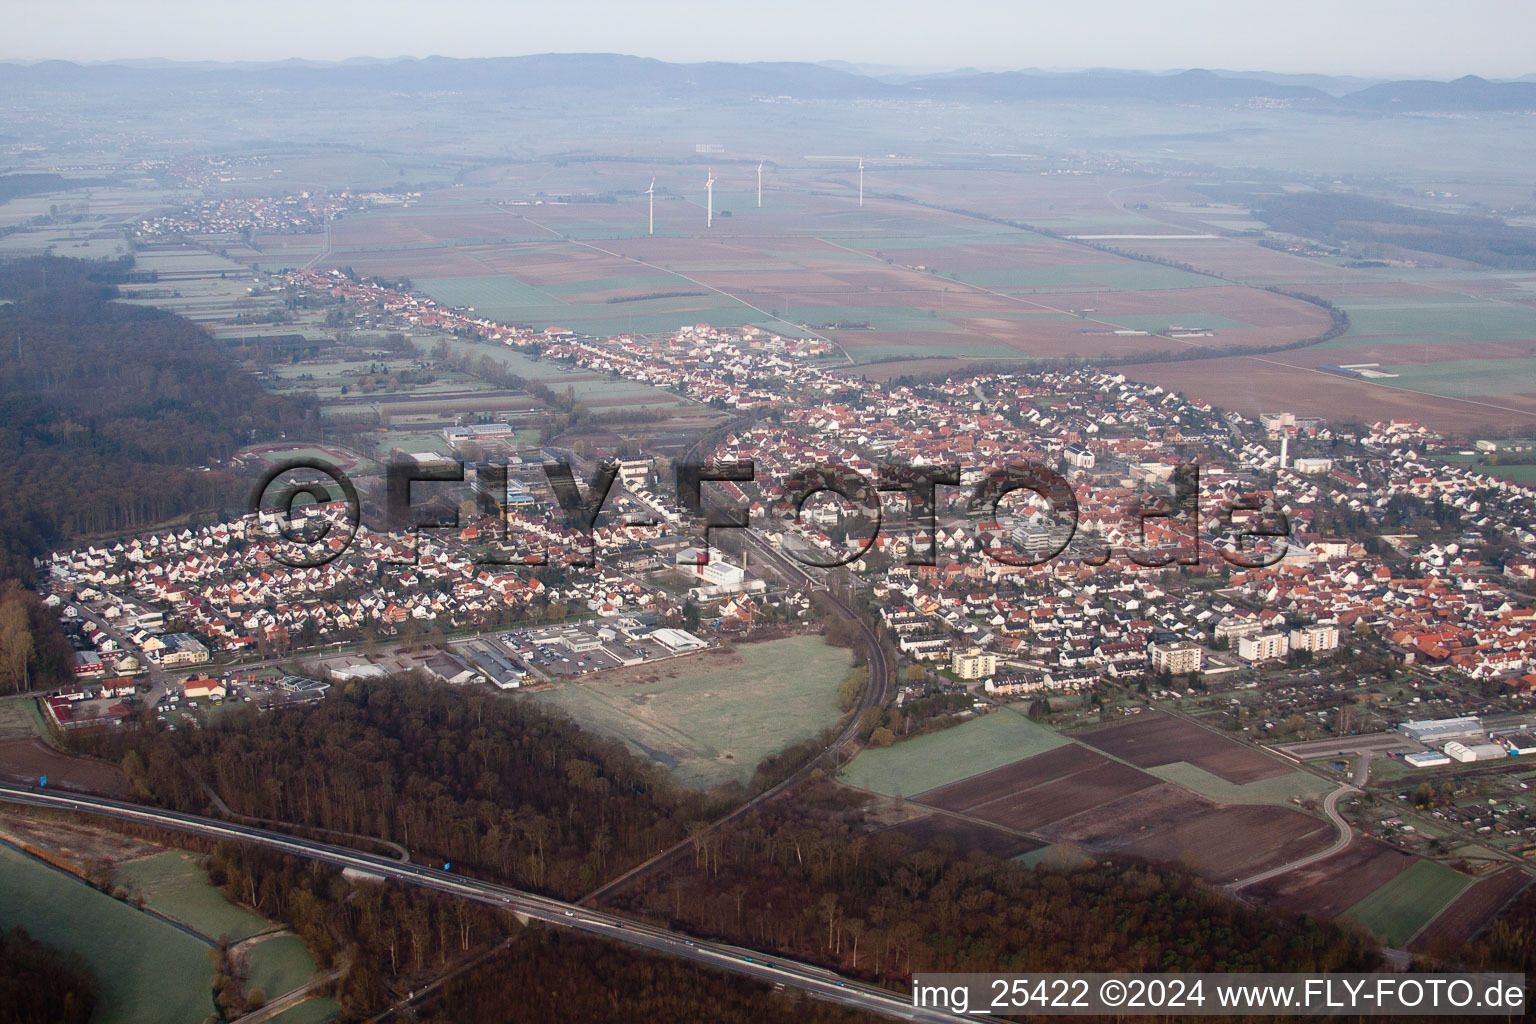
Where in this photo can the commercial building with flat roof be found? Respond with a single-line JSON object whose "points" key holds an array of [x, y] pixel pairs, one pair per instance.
{"points": [[1458, 751], [1438, 730]]}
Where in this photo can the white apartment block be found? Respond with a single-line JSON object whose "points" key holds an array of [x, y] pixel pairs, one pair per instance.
{"points": [[1178, 659], [1315, 638], [973, 664], [1263, 647]]}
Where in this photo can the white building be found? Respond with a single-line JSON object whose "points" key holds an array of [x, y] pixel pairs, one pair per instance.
{"points": [[678, 640], [711, 567], [1263, 647], [633, 472], [182, 649], [973, 664], [1315, 638], [1234, 628], [1178, 659], [1458, 751], [1435, 730]]}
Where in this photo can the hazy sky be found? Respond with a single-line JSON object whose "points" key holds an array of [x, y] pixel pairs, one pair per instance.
{"points": [[1361, 37]]}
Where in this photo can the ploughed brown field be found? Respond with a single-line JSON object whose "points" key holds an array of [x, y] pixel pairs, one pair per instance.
{"points": [[1020, 776], [1222, 843], [1463, 919], [1157, 739], [27, 760], [1254, 384], [1076, 795], [1065, 797], [1228, 843], [1331, 886]]}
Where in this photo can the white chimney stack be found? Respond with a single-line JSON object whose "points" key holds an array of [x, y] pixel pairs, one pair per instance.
{"points": [[1285, 441]]}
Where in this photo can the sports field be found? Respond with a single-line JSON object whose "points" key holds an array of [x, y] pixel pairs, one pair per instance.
{"points": [[711, 717], [939, 758], [1409, 901], [150, 972]]}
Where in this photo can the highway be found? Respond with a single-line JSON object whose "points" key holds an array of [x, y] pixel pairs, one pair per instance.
{"points": [[815, 981]]}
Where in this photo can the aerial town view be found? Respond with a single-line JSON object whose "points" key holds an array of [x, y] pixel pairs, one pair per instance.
{"points": [[741, 523]]}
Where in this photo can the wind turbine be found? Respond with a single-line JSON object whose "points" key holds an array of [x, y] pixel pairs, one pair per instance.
{"points": [[652, 193], [861, 181], [709, 186], [759, 184]]}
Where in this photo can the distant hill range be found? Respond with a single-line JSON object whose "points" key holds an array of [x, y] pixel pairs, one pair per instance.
{"points": [[644, 77]]}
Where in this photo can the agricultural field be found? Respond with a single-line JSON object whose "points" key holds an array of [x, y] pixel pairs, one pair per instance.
{"points": [[1275, 789], [149, 971], [1331, 886], [1446, 331], [20, 718], [197, 284], [1221, 842], [1067, 793], [937, 759], [711, 717], [339, 382], [1253, 384], [1042, 789], [28, 759], [599, 391], [1460, 922], [1456, 378], [277, 964], [1399, 909], [173, 884], [892, 278], [1153, 740], [310, 1011]]}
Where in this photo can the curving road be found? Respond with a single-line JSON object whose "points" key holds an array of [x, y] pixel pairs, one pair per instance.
{"points": [[816, 981], [1331, 809]]}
